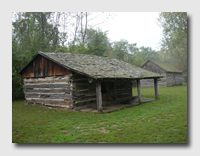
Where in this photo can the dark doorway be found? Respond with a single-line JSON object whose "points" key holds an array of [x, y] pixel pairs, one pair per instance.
{"points": [[107, 89]]}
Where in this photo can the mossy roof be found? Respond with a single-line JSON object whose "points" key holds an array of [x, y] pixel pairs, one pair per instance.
{"points": [[97, 66], [166, 66]]}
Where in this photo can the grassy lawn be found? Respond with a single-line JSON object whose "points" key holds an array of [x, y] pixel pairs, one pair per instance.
{"points": [[160, 121]]}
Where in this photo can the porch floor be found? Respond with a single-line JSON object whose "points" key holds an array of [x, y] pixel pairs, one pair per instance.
{"points": [[112, 108]]}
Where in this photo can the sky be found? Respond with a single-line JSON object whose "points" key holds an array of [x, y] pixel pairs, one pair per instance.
{"points": [[136, 27]]}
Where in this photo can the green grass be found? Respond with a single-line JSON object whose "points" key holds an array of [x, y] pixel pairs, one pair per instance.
{"points": [[160, 121]]}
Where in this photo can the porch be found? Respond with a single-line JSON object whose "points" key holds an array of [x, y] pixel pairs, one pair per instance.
{"points": [[92, 108]]}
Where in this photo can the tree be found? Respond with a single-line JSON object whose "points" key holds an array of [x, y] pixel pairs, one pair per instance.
{"points": [[97, 43], [123, 50], [120, 49], [81, 22], [31, 32], [144, 54], [174, 42]]}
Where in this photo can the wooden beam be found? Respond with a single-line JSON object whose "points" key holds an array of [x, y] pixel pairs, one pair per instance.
{"points": [[99, 96], [156, 88], [115, 93], [139, 91]]}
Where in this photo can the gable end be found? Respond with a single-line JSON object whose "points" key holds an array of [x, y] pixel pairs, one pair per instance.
{"points": [[40, 66]]}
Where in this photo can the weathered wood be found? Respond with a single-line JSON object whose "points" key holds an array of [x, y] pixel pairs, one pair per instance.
{"points": [[47, 90], [156, 88], [49, 96], [49, 101], [115, 93], [139, 91], [47, 86], [62, 79], [99, 96], [41, 67], [82, 79], [76, 102], [85, 97]]}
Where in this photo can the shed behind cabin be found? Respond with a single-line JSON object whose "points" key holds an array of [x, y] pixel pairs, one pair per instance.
{"points": [[171, 75]]}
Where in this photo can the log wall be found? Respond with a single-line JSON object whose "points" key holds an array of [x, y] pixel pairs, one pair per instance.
{"points": [[169, 79], [113, 92], [153, 68], [51, 91], [123, 90], [84, 93], [148, 83], [174, 79]]}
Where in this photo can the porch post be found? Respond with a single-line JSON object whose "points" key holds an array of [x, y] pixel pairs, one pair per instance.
{"points": [[139, 91], [156, 88], [99, 96]]}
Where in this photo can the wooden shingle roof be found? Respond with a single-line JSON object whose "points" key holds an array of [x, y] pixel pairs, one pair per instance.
{"points": [[166, 66], [97, 66]]}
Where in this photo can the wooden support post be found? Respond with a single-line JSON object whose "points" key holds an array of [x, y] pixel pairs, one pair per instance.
{"points": [[139, 91], [156, 88], [99, 96], [115, 93]]}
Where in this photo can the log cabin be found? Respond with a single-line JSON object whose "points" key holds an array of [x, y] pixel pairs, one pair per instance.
{"points": [[72, 80], [171, 75]]}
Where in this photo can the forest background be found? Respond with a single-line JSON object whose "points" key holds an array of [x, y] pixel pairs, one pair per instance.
{"points": [[77, 32]]}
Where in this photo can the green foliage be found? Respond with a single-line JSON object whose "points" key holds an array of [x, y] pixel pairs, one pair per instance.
{"points": [[62, 49], [160, 121], [78, 49], [31, 32], [98, 43], [174, 42], [120, 49], [130, 53], [19, 59]]}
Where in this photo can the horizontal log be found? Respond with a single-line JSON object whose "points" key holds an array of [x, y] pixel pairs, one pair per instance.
{"points": [[45, 101], [82, 98], [60, 93], [86, 94], [80, 80], [50, 78], [77, 85], [48, 82], [47, 86], [83, 90], [80, 87], [48, 90], [76, 102], [49, 96]]}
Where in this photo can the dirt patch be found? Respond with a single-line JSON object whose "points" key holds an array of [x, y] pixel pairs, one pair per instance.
{"points": [[103, 130], [114, 125], [66, 132]]}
